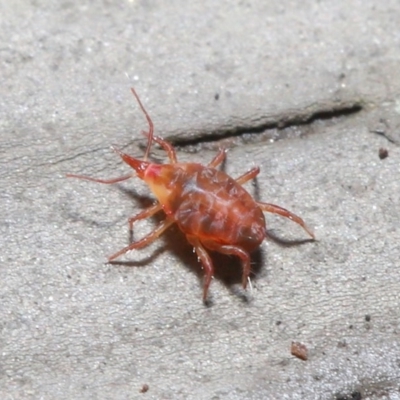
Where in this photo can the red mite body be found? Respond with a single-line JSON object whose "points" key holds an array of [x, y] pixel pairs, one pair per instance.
{"points": [[211, 206], [212, 209]]}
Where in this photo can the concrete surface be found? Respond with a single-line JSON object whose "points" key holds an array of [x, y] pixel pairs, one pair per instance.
{"points": [[321, 77]]}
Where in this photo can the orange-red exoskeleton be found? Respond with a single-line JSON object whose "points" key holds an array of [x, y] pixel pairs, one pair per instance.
{"points": [[212, 209]]}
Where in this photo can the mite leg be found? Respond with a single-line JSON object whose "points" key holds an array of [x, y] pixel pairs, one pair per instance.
{"points": [[248, 175], [150, 122], [106, 181], [272, 208], [166, 146], [148, 212], [218, 158], [235, 251], [148, 239], [206, 262]]}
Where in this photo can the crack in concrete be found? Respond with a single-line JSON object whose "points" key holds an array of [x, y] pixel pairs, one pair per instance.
{"points": [[384, 129], [279, 123]]}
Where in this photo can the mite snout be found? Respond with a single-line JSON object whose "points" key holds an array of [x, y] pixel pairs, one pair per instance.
{"points": [[138, 165]]}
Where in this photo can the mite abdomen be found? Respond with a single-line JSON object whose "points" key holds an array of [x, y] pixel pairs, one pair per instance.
{"points": [[214, 207]]}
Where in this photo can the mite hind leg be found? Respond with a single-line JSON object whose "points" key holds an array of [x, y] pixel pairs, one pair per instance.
{"points": [[234, 251], [220, 156], [206, 262], [272, 208], [148, 239], [249, 175]]}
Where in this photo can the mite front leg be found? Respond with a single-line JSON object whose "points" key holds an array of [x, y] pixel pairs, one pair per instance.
{"points": [[148, 239], [105, 181], [150, 122], [206, 262], [272, 208], [166, 146], [148, 212]]}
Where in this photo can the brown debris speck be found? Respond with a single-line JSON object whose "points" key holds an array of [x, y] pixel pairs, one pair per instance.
{"points": [[299, 350], [144, 388], [383, 153]]}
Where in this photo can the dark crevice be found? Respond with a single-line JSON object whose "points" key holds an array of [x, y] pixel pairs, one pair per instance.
{"points": [[296, 120], [384, 129], [338, 113], [72, 157]]}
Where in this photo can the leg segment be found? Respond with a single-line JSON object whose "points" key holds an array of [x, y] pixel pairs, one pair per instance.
{"points": [[248, 175], [235, 251], [272, 208], [166, 146], [106, 181], [205, 260], [150, 122], [148, 239], [148, 212], [218, 158]]}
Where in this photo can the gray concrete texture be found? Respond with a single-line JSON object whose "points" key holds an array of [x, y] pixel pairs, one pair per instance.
{"points": [[309, 91]]}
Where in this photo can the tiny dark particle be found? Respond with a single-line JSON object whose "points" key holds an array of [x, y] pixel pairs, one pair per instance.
{"points": [[383, 153], [352, 396], [368, 318], [144, 388], [216, 97]]}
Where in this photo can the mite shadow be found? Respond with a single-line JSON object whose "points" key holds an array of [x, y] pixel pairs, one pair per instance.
{"points": [[284, 242]]}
